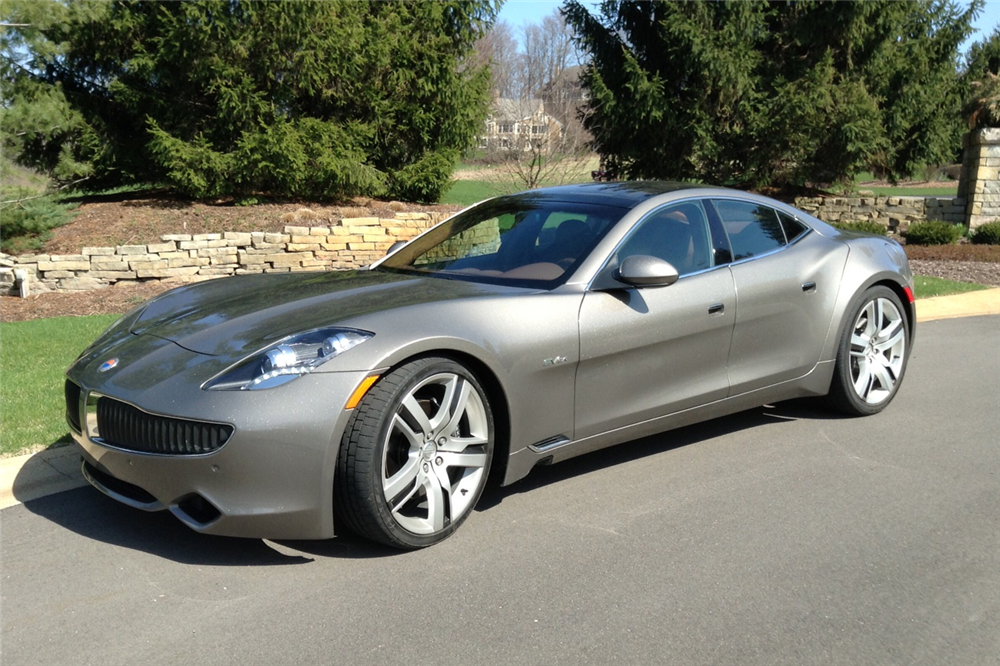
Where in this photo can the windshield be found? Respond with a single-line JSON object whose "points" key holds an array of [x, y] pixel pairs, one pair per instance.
{"points": [[522, 241]]}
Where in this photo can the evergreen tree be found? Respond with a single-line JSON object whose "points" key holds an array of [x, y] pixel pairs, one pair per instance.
{"points": [[982, 83], [286, 98], [39, 126], [768, 92]]}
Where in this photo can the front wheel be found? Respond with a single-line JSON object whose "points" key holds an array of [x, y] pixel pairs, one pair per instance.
{"points": [[872, 355], [416, 455]]}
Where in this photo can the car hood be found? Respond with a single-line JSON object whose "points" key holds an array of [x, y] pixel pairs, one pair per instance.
{"points": [[237, 316]]}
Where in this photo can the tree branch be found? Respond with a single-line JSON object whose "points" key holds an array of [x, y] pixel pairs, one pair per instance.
{"points": [[44, 194]]}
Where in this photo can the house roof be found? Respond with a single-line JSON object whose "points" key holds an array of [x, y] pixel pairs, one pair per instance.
{"points": [[516, 109]]}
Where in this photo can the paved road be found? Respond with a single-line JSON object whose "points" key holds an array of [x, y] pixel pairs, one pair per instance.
{"points": [[779, 536]]}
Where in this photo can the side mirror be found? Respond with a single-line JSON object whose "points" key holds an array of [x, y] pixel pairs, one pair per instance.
{"points": [[395, 246], [640, 270]]}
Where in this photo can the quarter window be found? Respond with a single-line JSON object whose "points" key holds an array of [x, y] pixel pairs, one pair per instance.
{"points": [[753, 229], [793, 228]]}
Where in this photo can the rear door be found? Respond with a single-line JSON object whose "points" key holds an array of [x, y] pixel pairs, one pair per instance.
{"points": [[786, 279]]}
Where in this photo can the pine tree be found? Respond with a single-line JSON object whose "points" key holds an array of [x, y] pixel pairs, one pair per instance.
{"points": [[283, 98], [766, 92]]}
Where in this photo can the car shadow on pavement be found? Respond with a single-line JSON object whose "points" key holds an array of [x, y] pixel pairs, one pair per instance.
{"points": [[89, 513], [792, 410]]}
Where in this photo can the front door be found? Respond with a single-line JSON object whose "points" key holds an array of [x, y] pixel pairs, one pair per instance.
{"points": [[648, 352]]}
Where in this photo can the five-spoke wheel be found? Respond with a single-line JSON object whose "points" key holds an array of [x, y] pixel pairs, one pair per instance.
{"points": [[872, 355], [416, 456]]}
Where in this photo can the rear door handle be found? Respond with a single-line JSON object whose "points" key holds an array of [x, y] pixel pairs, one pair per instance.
{"points": [[718, 308], [809, 287]]}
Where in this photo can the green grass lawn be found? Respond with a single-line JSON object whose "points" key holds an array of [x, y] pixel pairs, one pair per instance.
{"points": [[33, 357], [913, 191], [468, 192], [928, 287]]}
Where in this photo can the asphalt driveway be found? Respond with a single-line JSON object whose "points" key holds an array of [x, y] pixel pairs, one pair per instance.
{"points": [[782, 535]]}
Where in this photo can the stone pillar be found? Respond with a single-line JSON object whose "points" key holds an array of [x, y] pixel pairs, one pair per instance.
{"points": [[979, 183]]}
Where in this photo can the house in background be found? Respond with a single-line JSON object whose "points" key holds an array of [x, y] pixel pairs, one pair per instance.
{"points": [[565, 96], [515, 124]]}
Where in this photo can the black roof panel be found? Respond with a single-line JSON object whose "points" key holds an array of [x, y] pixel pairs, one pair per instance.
{"points": [[625, 194]]}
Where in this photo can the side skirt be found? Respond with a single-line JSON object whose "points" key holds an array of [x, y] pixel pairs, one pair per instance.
{"points": [[521, 462]]}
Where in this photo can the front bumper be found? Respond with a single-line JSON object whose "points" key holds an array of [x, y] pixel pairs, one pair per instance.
{"points": [[273, 478]]}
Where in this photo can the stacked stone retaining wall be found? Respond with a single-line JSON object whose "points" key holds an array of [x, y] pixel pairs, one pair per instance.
{"points": [[180, 258], [894, 212], [980, 181]]}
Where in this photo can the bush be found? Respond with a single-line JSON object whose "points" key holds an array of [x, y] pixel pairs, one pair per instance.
{"points": [[425, 180], [988, 234], [26, 225], [933, 232], [865, 227]]}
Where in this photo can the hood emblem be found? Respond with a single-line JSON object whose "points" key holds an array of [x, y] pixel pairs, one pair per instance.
{"points": [[107, 365]]}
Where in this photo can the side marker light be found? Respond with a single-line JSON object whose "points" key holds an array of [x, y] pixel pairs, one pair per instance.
{"points": [[359, 392]]}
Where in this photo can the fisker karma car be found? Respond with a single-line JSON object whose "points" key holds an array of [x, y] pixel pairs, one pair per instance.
{"points": [[523, 331]]}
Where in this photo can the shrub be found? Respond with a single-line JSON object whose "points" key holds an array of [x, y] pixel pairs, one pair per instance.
{"points": [[425, 180], [988, 234], [26, 225], [865, 227], [933, 232]]}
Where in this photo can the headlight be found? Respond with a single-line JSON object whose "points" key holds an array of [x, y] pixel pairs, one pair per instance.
{"points": [[290, 358]]}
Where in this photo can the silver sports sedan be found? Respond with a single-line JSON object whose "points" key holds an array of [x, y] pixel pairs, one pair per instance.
{"points": [[523, 331]]}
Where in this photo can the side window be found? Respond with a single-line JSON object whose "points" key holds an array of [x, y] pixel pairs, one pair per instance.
{"points": [[793, 228], [753, 229], [677, 234]]}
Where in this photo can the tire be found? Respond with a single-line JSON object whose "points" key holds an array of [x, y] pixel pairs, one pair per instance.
{"points": [[416, 454], [872, 356]]}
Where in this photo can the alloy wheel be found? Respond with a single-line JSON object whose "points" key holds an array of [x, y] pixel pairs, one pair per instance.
{"points": [[436, 453], [878, 350]]}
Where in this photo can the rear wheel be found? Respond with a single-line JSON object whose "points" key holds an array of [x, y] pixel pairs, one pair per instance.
{"points": [[416, 455], [872, 355]]}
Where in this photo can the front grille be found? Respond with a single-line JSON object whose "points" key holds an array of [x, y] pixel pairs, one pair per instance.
{"points": [[73, 406], [126, 427]]}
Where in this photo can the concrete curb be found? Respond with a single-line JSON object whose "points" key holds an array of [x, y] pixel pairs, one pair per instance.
{"points": [[28, 477], [972, 304], [36, 475]]}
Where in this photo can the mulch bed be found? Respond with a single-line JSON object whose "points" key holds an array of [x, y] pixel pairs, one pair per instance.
{"points": [[142, 219], [963, 252], [113, 300]]}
